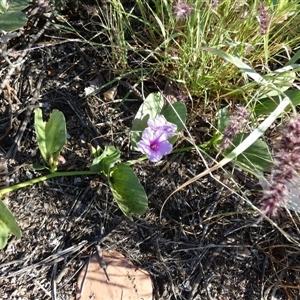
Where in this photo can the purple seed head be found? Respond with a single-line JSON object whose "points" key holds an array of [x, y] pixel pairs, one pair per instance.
{"points": [[264, 19], [214, 3], [182, 10], [284, 172], [237, 122]]}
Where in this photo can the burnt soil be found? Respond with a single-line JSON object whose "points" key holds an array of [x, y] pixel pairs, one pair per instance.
{"points": [[206, 243]]}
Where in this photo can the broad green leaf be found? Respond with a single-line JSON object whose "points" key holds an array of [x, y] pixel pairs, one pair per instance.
{"points": [[176, 114], [255, 159], [128, 191], [106, 160], [18, 5], [3, 234], [253, 136], [51, 135], [268, 105], [40, 131], [56, 133], [256, 133], [37, 167], [8, 222], [151, 107], [11, 21], [12, 18], [3, 6]]}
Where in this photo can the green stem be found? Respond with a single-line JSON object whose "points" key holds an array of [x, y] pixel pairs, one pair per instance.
{"points": [[133, 162], [73, 173], [43, 178]]}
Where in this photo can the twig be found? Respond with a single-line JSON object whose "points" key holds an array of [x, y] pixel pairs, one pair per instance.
{"points": [[101, 261], [54, 258], [12, 151], [21, 58]]}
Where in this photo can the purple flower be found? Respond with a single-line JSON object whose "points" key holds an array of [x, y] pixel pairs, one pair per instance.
{"points": [[154, 144], [160, 123]]}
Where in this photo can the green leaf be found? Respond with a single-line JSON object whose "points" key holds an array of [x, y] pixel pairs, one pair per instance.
{"points": [[128, 191], [176, 114], [104, 162], [3, 234], [8, 224], [294, 59], [151, 107], [56, 133], [18, 5], [51, 135], [267, 105], [11, 21], [12, 18], [37, 167], [223, 119], [282, 78], [3, 6], [255, 159], [223, 122], [40, 131]]}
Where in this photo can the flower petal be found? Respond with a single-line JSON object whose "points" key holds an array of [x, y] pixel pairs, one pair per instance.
{"points": [[160, 123], [154, 144]]}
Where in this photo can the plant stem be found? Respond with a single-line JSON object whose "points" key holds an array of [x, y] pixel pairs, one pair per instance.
{"points": [[43, 178], [133, 162], [72, 173]]}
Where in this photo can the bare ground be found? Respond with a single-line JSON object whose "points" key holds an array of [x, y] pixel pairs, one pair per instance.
{"points": [[206, 243]]}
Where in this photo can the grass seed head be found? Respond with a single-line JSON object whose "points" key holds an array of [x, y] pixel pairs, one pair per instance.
{"points": [[214, 3], [264, 18], [237, 122], [287, 163], [182, 10]]}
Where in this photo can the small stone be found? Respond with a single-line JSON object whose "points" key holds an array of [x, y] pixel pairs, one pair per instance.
{"points": [[126, 281]]}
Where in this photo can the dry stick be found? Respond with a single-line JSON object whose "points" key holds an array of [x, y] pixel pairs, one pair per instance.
{"points": [[12, 151], [53, 282], [101, 261], [196, 284], [54, 258], [81, 288], [36, 282], [8, 111], [20, 60]]}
